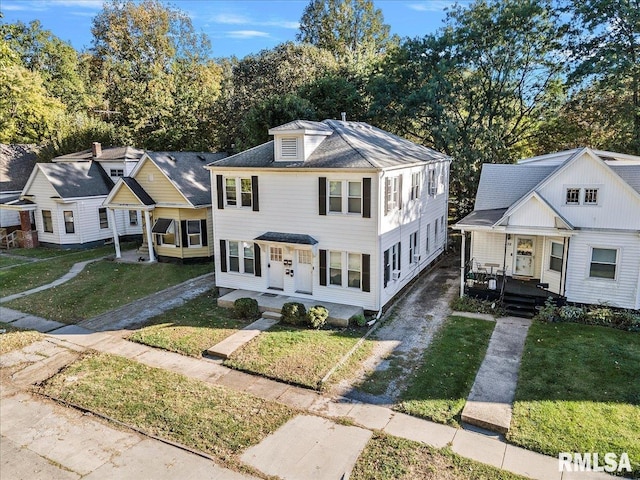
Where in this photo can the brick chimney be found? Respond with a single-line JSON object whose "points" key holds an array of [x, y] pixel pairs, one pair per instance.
{"points": [[97, 149]]}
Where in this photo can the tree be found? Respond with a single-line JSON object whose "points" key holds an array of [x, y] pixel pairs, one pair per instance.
{"points": [[353, 30], [274, 111], [141, 51], [334, 94], [54, 60], [477, 90], [605, 43]]}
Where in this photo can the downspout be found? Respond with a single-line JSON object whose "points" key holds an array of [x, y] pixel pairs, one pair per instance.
{"points": [[462, 261], [563, 273]]}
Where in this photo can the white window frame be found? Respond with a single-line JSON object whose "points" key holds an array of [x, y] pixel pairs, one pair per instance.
{"points": [[104, 222], [71, 222], [414, 249], [587, 199], [433, 187], [191, 237], [552, 256], [392, 193], [575, 193], [161, 238], [133, 218], [428, 235], [416, 180], [345, 197], [333, 254], [351, 255], [394, 257], [242, 248], [243, 197], [615, 265], [116, 172], [49, 217]]}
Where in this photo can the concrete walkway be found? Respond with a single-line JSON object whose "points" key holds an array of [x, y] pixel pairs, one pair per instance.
{"points": [[490, 402], [226, 347], [73, 272], [25, 320]]}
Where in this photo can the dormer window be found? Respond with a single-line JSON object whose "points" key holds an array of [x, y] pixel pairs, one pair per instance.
{"points": [[289, 148]]}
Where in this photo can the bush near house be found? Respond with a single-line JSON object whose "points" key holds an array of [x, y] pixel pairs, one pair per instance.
{"points": [[246, 308], [317, 316], [477, 305], [359, 320], [601, 315], [293, 313]]}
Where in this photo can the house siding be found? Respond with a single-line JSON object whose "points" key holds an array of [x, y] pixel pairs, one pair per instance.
{"points": [[155, 183], [178, 215]]}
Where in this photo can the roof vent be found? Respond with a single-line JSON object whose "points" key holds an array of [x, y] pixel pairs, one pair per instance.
{"points": [[344, 116], [172, 158], [202, 157]]}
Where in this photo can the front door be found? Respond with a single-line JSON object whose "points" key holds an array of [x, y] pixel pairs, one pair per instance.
{"points": [[304, 271], [276, 268], [524, 256]]}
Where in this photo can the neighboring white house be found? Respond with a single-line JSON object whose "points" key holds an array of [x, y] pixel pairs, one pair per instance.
{"points": [[332, 211], [66, 197], [568, 220], [16, 164]]}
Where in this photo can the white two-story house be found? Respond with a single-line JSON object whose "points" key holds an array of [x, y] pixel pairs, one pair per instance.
{"points": [[568, 222], [332, 211]]}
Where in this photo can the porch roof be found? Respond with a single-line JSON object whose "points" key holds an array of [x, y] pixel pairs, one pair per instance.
{"points": [[482, 218], [14, 203], [279, 237]]}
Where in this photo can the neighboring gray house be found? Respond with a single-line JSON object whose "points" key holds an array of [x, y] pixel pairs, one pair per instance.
{"points": [[567, 223], [16, 165]]}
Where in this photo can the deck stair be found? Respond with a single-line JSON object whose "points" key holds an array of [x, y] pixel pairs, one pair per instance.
{"points": [[519, 305]]}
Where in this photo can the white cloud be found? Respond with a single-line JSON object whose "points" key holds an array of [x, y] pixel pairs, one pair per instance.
{"points": [[230, 19], [433, 5], [93, 4], [42, 5], [247, 34], [236, 19], [22, 7]]}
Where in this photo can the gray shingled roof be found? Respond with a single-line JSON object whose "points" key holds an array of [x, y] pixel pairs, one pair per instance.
{"points": [[483, 218], [302, 125], [502, 185], [16, 165], [297, 238], [629, 173], [108, 154], [138, 191], [186, 170], [78, 179], [351, 145]]}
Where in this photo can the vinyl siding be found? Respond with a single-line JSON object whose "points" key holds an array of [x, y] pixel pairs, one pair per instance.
{"points": [[124, 196], [179, 214], [533, 213], [157, 186]]}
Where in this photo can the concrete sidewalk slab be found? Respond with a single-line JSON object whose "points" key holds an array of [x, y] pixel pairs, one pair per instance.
{"points": [[297, 397], [233, 342], [9, 315], [412, 428], [489, 404], [39, 371], [78, 335], [370, 416], [39, 324], [479, 447], [321, 450], [19, 463], [531, 464]]}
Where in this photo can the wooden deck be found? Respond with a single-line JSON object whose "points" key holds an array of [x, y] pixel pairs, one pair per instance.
{"points": [[513, 287]]}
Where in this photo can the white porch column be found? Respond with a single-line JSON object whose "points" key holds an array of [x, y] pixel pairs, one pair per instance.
{"points": [[462, 261], [114, 230], [147, 218]]}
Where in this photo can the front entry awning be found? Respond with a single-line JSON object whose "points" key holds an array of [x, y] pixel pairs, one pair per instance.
{"points": [[163, 226], [14, 203], [290, 238]]}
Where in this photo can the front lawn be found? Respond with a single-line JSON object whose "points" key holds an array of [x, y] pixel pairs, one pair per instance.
{"points": [[391, 458], [578, 391], [439, 389], [206, 417], [6, 261], [103, 286], [34, 274], [299, 356], [190, 328], [16, 338]]}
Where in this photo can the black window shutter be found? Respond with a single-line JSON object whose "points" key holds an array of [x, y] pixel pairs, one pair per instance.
{"points": [[257, 263], [254, 193], [400, 192], [322, 196], [399, 255], [323, 267], [366, 197], [185, 239], [366, 272], [223, 255], [386, 267], [220, 191], [203, 232]]}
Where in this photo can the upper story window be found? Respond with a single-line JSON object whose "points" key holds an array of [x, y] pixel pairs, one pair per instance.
{"points": [[603, 263], [339, 190], [104, 220], [573, 196], [289, 148], [415, 185], [590, 196], [392, 192], [433, 186], [238, 189], [116, 172]]}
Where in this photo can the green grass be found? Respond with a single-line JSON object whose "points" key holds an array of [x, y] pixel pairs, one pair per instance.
{"points": [[298, 356], [390, 458], [103, 286], [16, 338], [190, 328], [209, 418], [34, 274], [579, 391], [11, 261], [42, 252], [439, 389]]}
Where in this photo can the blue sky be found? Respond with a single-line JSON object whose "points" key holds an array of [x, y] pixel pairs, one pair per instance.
{"points": [[236, 27]]}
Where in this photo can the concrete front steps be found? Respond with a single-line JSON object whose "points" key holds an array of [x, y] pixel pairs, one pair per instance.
{"points": [[226, 347]]}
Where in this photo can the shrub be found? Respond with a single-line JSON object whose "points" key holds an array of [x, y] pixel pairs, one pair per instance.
{"points": [[358, 320], [293, 313], [476, 305], [317, 316], [569, 313], [548, 313], [601, 315], [246, 308]]}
